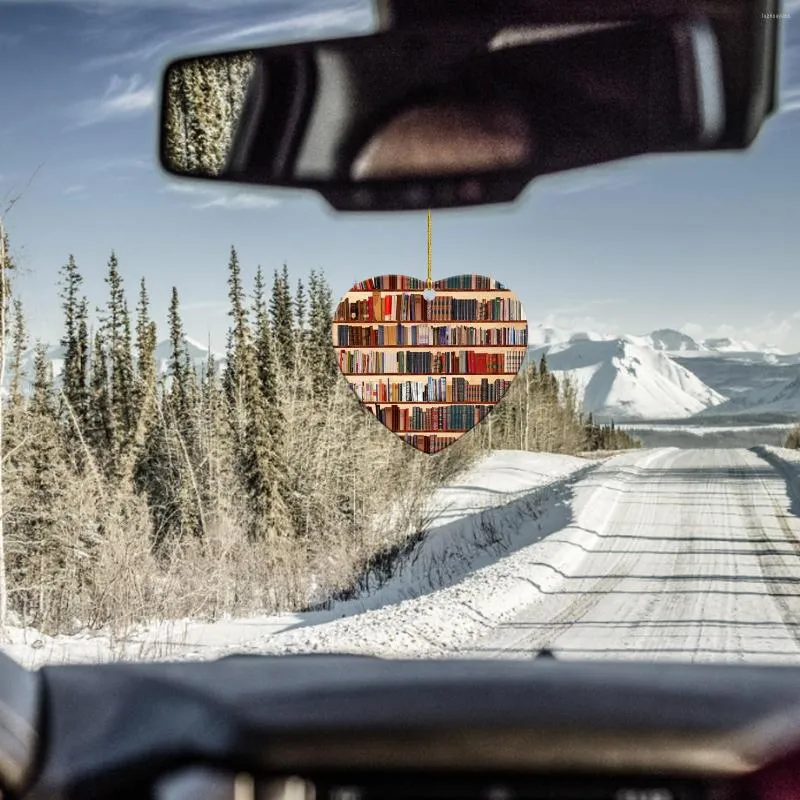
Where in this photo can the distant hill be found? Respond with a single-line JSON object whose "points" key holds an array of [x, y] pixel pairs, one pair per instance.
{"points": [[628, 379], [55, 355]]}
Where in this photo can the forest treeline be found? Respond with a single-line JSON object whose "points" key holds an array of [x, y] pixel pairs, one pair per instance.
{"points": [[133, 493]]}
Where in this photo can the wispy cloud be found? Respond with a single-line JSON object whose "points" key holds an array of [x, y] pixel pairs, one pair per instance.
{"points": [[76, 188], [124, 98], [790, 101], [120, 163], [242, 29], [155, 46], [206, 197], [9, 39], [309, 24], [566, 322], [590, 181], [774, 330], [101, 6]]}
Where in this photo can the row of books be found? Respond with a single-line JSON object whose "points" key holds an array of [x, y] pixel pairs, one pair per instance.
{"points": [[429, 444], [415, 362], [434, 390], [394, 283], [415, 308], [431, 335], [443, 418]]}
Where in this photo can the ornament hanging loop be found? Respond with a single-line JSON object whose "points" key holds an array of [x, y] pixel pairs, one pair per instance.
{"points": [[429, 292]]}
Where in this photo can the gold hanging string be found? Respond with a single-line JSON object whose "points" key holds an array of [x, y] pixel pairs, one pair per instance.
{"points": [[430, 263]]}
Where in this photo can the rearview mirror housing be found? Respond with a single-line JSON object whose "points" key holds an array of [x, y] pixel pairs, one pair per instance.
{"points": [[434, 114]]}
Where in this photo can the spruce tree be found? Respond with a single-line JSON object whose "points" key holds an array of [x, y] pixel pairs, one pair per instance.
{"points": [[117, 334], [100, 428], [282, 321], [300, 306], [19, 342], [179, 367], [146, 376], [82, 390], [264, 347], [183, 413], [46, 484], [250, 421], [238, 336], [15, 432], [73, 380], [321, 354]]}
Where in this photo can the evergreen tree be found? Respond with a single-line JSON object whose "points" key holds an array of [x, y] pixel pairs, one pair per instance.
{"points": [[300, 306], [100, 428], [19, 342], [253, 448], [146, 377], [74, 369], [43, 399], [15, 432], [321, 355], [282, 321], [179, 367], [543, 365], [82, 390], [238, 343], [117, 335], [45, 489], [264, 348]]}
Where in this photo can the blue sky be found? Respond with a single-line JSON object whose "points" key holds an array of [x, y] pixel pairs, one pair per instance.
{"points": [[709, 244]]}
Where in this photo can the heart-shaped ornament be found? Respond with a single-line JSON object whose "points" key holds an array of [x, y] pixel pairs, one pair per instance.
{"points": [[430, 369]]}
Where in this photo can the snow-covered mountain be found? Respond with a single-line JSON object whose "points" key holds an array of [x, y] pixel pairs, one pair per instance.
{"points": [[198, 354], [626, 378], [672, 341], [730, 377], [777, 397], [726, 345], [541, 335], [55, 356]]}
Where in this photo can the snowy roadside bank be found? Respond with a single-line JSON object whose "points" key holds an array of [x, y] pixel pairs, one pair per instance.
{"points": [[787, 463], [506, 501], [443, 622]]}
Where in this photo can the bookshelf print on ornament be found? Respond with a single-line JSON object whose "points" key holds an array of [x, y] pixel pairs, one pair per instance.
{"points": [[430, 370]]}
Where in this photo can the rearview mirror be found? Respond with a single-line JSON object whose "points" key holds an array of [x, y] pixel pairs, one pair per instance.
{"points": [[413, 119]]}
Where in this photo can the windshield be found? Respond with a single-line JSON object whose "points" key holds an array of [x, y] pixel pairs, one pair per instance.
{"points": [[231, 421]]}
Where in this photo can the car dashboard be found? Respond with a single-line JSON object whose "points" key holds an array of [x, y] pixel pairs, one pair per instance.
{"points": [[333, 727]]}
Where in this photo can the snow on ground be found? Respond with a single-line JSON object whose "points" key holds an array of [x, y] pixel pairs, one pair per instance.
{"points": [[781, 399], [505, 501], [697, 561], [787, 463], [703, 430], [665, 554], [660, 554], [497, 587]]}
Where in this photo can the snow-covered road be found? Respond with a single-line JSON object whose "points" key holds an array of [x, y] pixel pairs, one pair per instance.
{"points": [[667, 553], [694, 556]]}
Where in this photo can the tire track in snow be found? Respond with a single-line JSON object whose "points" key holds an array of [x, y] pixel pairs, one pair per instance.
{"points": [[575, 610], [785, 584], [685, 590]]}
